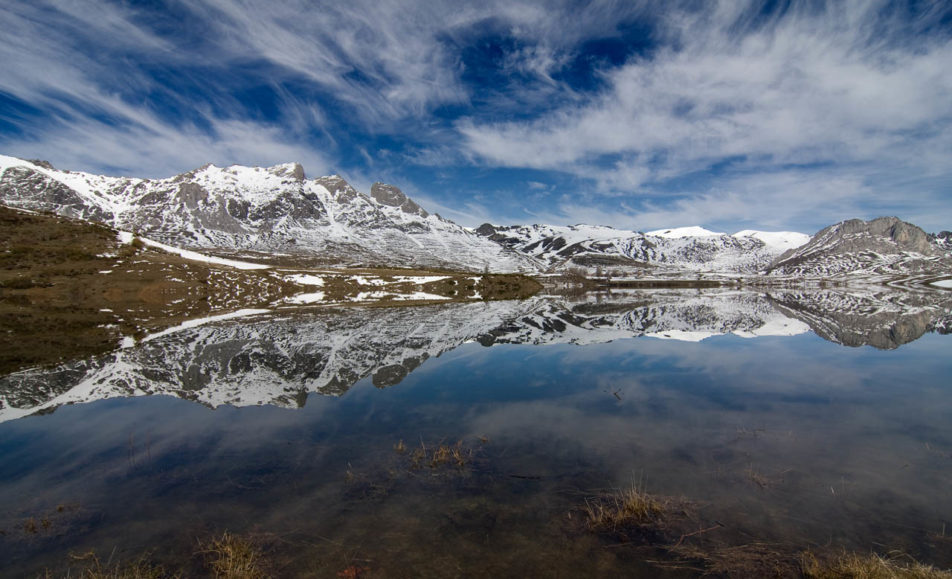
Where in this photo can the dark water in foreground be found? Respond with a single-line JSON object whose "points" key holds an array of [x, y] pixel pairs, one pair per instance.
{"points": [[792, 441]]}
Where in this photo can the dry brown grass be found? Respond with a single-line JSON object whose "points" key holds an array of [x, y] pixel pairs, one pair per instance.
{"points": [[234, 557], [626, 507], [457, 454], [141, 568], [872, 566]]}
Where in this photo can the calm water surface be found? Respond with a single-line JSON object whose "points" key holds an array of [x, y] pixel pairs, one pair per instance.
{"points": [[773, 435]]}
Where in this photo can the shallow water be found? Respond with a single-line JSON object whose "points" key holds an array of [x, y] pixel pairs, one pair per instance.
{"points": [[288, 428]]}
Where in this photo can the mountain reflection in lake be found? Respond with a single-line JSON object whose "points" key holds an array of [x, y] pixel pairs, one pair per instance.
{"points": [[786, 440]]}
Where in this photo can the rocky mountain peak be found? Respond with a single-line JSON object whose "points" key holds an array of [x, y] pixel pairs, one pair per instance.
{"points": [[392, 196], [293, 170], [882, 246], [42, 163], [486, 230], [906, 235]]}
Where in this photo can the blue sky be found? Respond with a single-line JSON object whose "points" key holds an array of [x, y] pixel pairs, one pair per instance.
{"points": [[642, 115]]}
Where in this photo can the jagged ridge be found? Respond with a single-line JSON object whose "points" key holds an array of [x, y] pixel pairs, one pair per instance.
{"points": [[275, 209]]}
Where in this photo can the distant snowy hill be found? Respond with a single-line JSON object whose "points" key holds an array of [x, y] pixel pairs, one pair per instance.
{"points": [[691, 249], [776, 240], [274, 209], [677, 232]]}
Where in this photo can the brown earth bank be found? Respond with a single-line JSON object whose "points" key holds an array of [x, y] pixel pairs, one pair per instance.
{"points": [[70, 289]]}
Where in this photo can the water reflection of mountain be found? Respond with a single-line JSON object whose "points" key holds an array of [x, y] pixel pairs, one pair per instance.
{"points": [[280, 358], [877, 317]]}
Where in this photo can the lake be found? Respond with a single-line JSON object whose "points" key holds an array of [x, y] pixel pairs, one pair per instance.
{"points": [[477, 439]]}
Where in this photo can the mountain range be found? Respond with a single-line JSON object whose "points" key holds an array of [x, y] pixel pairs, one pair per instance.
{"points": [[278, 210]]}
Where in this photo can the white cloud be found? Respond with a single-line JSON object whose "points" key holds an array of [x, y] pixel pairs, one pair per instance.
{"points": [[162, 150], [838, 86], [817, 110]]}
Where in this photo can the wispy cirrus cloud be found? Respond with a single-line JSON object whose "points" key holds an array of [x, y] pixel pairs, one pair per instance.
{"points": [[638, 114], [859, 86]]}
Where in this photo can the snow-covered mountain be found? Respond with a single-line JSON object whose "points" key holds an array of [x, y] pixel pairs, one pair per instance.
{"points": [[280, 358], [274, 209], [691, 249], [278, 210], [880, 250]]}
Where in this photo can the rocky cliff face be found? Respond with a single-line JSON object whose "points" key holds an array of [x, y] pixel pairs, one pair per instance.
{"points": [[885, 246], [274, 209]]}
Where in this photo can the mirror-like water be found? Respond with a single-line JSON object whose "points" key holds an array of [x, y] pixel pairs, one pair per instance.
{"points": [[473, 439]]}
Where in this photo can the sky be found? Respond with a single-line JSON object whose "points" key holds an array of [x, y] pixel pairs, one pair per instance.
{"points": [[641, 115]]}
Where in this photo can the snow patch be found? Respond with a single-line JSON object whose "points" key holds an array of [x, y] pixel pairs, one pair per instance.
{"points": [[677, 232], [309, 298], [306, 279], [779, 240], [195, 256], [202, 321]]}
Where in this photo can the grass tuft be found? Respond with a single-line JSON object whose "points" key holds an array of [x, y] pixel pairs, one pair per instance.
{"points": [[872, 566], [141, 568], [234, 557], [627, 507]]}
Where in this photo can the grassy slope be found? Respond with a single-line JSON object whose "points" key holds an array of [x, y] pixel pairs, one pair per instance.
{"points": [[69, 289]]}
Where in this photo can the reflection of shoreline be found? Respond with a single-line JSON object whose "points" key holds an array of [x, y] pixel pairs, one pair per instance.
{"points": [[279, 359]]}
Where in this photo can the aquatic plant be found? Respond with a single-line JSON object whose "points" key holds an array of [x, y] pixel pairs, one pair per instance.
{"points": [[234, 557], [871, 566], [627, 507], [141, 568]]}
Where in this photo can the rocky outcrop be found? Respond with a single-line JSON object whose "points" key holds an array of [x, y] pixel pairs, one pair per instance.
{"points": [[393, 197], [26, 188]]}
